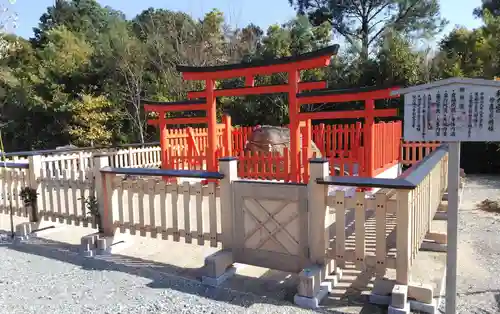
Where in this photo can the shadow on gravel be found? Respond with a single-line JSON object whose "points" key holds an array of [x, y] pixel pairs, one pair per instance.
{"points": [[269, 288]]}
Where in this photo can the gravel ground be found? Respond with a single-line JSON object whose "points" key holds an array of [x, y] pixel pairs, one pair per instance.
{"points": [[478, 283], [37, 277]]}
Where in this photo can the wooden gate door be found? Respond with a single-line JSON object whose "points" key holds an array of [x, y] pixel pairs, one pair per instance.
{"points": [[271, 225]]}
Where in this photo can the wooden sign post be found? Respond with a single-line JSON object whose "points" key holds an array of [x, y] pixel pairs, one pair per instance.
{"points": [[453, 110]]}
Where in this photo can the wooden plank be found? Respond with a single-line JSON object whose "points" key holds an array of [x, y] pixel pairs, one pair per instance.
{"points": [[162, 189], [152, 206], [118, 185], [66, 194], [82, 198], [212, 208], [186, 186], [199, 213], [51, 188], [140, 187], [359, 218], [175, 219], [131, 188], [380, 234], [303, 227], [340, 228]]}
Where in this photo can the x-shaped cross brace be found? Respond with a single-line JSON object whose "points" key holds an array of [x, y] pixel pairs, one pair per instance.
{"points": [[270, 217]]}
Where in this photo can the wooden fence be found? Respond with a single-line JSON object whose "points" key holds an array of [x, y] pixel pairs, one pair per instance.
{"points": [[65, 179], [239, 214]]}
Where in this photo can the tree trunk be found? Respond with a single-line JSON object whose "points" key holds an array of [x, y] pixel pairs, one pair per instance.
{"points": [[365, 40]]}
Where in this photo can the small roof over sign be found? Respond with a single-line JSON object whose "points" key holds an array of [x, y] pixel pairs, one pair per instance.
{"points": [[450, 81]]}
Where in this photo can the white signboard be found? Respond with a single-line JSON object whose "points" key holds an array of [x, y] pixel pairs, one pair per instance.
{"points": [[452, 113], [453, 110]]}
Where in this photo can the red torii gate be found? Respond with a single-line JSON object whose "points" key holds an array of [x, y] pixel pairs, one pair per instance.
{"points": [[207, 98]]}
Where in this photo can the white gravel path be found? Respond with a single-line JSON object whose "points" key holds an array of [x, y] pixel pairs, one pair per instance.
{"points": [[37, 278], [478, 283]]}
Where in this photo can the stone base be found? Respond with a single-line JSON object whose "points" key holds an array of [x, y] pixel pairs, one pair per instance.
{"points": [[97, 244], [398, 297], [424, 307], [433, 247], [26, 230], [421, 307], [441, 216], [314, 302], [315, 283], [404, 310], [218, 268], [217, 281], [379, 299]]}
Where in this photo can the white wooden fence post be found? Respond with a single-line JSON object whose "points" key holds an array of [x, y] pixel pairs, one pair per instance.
{"points": [[101, 161], [403, 236], [317, 193], [229, 168], [310, 279], [34, 176]]}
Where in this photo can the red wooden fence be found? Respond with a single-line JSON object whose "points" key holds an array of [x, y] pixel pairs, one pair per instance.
{"points": [[342, 145]]}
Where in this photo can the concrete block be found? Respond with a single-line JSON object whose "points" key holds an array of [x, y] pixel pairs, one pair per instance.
{"points": [[399, 296], [217, 263], [310, 281], [217, 281], [421, 292], [379, 299], [101, 244], [89, 240], [445, 196], [112, 245], [404, 310], [88, 253], [431, 308], [441, 215], [311, 303], [383, 286], [438, 237], [22, 229], [433, 247]]}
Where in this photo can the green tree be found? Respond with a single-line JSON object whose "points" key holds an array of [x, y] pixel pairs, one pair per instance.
{"points": [[363, 23], [493, 6], [92, 121], [87, 17]]}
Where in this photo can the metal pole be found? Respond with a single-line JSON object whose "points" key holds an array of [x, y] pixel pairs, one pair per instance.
{"points": [[451, 256]]}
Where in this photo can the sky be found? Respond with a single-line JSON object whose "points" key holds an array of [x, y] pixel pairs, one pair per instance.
{"points": [[237, 12]]}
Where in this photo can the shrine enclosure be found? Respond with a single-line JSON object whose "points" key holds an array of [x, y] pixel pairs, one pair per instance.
{"points": [[360, 148]]}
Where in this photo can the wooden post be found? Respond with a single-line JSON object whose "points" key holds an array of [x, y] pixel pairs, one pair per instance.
{"points": [[316, 195], [228, 135], [293, 84], [229, 168], [212, 125], [163, 140], [403, 238], [104, 193], [368, 138], [34, 176]]}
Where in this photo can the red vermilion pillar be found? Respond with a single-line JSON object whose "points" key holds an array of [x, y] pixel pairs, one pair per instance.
{"points": [[293, 84], [368, 137], [228, 135], [163, 140], [212, 125], [308, 146]]}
